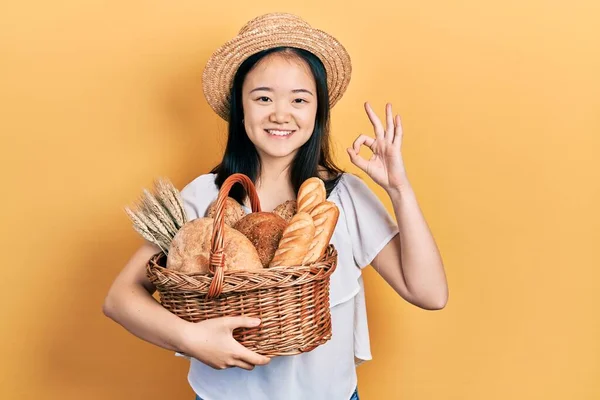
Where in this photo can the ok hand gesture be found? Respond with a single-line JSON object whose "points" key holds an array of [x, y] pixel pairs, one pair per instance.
{"points": [[385, 166]]}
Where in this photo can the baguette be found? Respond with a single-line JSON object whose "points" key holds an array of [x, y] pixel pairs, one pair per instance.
{"points": [[294, 242], [311, 193], [325, 217]]}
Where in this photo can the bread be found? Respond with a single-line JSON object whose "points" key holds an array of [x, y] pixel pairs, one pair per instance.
{"points": [[311, 193], [286, 210], [325, 217], [264, 230], [190, 249], [294, 242], [233, 211]]}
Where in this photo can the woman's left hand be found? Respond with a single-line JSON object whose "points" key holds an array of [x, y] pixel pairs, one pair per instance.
{"points": [[385, 166]]}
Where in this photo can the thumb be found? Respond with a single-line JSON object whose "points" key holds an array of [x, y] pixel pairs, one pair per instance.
{"points": [[242, 322], [357, 159]]}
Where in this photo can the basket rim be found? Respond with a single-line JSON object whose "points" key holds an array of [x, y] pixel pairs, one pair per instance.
{"points": [[242, 281]]}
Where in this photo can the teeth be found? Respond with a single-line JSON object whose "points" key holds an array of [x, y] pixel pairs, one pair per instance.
{"points": [[279, 133]]}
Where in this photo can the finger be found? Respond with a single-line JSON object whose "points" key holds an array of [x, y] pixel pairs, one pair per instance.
{"points": [[379, 131], [389, 129], [398, 132], [250, 357], [363, 139], [356, 159], [241, 322], [242, 364]]}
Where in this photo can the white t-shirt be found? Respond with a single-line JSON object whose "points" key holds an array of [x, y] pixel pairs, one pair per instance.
{"points": [[328, 372]]}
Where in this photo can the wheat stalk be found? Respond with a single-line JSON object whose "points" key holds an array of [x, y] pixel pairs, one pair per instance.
{"points": [[160, 226], [169, 197], [154, 227], [147, 230], [175, 197], [155, 207], [166, 202], [158, 216]]}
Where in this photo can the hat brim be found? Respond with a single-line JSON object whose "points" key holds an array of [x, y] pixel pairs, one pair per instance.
{"points": [[221, 67]]}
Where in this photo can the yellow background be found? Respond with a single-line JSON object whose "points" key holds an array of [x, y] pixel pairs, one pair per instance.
{"points": [[501, 110]]}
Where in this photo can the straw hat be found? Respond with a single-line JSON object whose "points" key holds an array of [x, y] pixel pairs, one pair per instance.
{"points": [[265, 32]]}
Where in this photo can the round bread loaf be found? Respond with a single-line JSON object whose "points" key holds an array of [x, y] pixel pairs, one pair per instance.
{"points": [[264, 230], [233, 211], [190, 249], [286, 210]]}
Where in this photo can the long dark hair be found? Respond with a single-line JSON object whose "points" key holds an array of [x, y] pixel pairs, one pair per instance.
{"points": [[240, 153]]}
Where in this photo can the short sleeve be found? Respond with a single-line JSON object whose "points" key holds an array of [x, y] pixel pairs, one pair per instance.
{"points": [[370, 226], [197, 196]]}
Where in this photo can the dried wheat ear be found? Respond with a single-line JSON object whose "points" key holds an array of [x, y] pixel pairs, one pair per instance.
{"points": [[158, 215]]}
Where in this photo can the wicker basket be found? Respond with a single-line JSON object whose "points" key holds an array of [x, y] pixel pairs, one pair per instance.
{"points": [[291, 301]]}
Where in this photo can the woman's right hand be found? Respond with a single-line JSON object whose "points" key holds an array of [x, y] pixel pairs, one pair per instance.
{"points": [[129, 302], [211, 342]]}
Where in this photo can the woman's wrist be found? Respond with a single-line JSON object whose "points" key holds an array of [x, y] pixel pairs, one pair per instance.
{"points": [[180, 336], [400, 190]]}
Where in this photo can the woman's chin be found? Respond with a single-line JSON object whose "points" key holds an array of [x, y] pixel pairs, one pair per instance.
{"points": [[278, 153]]}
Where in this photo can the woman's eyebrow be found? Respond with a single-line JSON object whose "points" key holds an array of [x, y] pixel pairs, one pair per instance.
{"points": [[261, 88], [268, 89], [302, 91]]}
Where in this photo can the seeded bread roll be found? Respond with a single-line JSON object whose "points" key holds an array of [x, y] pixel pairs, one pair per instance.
{"points": [[264, 230], [286, 210], [233, 211], [190, 248], [325, 217], [311, 193], [294, 242]]}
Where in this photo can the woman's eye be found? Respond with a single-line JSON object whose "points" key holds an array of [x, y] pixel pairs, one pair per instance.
{"points": [[299, 101], [263, 98]]}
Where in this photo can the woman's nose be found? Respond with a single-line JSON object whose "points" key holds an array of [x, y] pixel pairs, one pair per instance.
{"points": [[280, 114]]}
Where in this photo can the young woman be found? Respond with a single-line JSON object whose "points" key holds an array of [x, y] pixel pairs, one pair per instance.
{"points": [[275, 84]]}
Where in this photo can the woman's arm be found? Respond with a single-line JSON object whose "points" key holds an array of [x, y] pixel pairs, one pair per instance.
{"points": [[130, 303], [411, 262]]}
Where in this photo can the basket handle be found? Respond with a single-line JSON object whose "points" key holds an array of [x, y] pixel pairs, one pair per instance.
{"points": [[217, 255]]}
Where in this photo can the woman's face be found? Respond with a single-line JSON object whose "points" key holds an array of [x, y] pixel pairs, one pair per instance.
{"points": [[279, 98]]}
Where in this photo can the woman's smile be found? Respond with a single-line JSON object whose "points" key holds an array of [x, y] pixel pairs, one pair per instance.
{"points": [[280, 133]]}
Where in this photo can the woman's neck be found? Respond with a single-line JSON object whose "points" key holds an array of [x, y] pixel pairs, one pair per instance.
{"points": [[273, 185], [275, 172]]}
